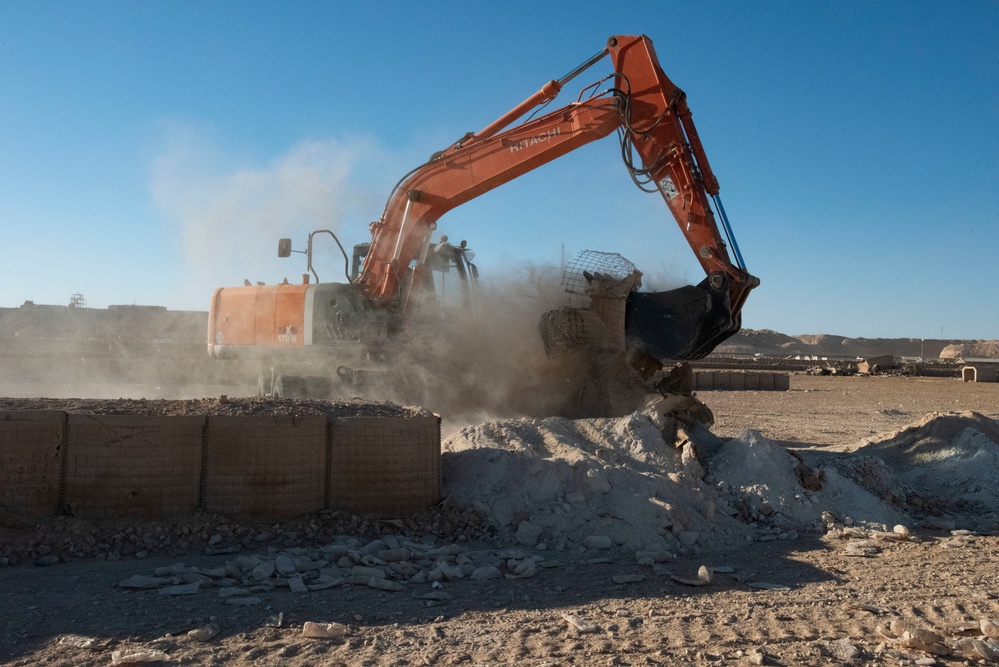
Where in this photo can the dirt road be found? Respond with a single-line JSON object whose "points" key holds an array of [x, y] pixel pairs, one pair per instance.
{"points": [[826, 600]]}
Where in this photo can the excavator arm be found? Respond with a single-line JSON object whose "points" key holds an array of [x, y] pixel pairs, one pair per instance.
{"points": [[652, 118]]}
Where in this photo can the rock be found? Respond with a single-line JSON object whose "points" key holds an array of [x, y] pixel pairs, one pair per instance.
{"points": [[596, 481], [596, 542], [204, 633], [385, 584], [582, 626], [524, 569], [528, 533], [688, 538], [486, 572], [296, 585], [767, 586], [324, 582], [284, 565], [324, 630], [373, 546], [181, 589], [908, 630], [137, 656], [986, 650], [448, 571], [263, 571], [843, 650]]}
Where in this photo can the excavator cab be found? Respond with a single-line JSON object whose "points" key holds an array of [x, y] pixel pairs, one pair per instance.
{"points": [[454, 275]]}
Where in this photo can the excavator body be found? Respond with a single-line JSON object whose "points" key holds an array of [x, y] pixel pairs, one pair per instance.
{"points": [[363, 317]]}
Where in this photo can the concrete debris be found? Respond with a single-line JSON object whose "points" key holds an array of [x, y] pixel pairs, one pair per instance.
{"points": [[204, 633], [768, 586], [954, 641], [325, 630], [137, 656], [181, 589], [843, 650], [345, 563], [581, 625]]}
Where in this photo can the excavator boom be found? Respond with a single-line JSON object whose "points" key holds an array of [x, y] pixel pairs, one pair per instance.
{"points": [[652, 118]]}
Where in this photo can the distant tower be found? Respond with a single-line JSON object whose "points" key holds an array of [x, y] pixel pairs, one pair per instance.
{"points": [[77, 301]]}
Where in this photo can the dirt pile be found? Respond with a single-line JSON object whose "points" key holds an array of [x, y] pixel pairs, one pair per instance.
{"points": [[587, 485], [978, 349], [562, 485], [948, 462]]}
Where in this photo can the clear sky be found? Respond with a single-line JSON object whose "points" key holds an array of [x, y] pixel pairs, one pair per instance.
{"points": [[153, 151]]}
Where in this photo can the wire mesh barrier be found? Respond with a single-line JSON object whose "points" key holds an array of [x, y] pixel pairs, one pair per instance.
{"points": [[597, 285], [117, 466]]}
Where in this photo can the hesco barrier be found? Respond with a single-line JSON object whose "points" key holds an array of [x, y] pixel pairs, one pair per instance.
{"points": [[115, 466], [31, 445], [741, 381]]}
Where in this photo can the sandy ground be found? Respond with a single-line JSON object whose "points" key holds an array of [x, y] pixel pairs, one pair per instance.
{"points": [[608, 611], [836, 412]]}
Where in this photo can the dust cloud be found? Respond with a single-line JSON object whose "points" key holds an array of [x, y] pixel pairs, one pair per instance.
{"points": [[480, 362], [229, 216]]}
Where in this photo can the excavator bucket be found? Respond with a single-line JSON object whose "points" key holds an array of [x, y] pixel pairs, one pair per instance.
{"points": [[683, 323]]}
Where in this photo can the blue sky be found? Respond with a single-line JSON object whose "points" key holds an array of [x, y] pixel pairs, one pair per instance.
{"points": [[152, 151]]}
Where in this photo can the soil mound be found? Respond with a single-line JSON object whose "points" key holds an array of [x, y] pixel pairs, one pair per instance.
{"points": [[586, 484], [568, 485], [979, 349], [951, 458]]}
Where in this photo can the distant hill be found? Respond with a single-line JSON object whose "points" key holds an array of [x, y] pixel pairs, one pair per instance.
{"points": [[774, 344]]}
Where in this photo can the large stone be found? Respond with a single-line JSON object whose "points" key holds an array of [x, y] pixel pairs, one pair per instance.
{"points": [[596, 542], [528, 533], [688, 538]]}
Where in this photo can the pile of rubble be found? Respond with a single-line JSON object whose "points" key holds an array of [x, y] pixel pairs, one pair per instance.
{"points": [[551, 483], [387, 564], [222, 406], [60, 539]]}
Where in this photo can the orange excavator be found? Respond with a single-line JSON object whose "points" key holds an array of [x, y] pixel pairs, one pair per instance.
{"points": [[392, 274]]}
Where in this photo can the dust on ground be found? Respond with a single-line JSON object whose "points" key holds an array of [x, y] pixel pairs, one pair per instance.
{"points": [[845, 512]]}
